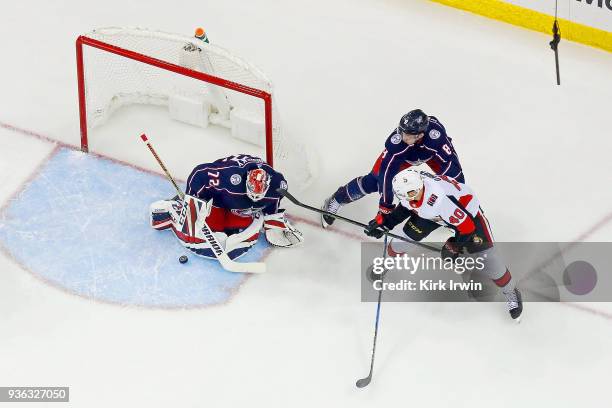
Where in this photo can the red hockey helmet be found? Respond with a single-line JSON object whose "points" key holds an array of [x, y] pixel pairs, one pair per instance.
{"points": [[257, 184]]}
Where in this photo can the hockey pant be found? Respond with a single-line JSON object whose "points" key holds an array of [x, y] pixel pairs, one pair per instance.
{"points": [[482, 245], [236, 234]]}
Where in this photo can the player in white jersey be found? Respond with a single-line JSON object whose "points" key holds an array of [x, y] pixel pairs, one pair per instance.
{"points": [[428, 202]]}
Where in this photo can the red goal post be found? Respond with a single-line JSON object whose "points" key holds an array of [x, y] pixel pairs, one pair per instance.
{"points": [[121, 66]]}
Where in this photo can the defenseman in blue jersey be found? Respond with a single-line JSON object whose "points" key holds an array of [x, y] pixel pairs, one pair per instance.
{"points": [[236, 196], [418, 139]]}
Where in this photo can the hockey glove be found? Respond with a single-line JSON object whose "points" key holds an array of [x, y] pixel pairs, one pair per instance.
{"points": [[376, 228], [451, 249], [474, 243], [385, 209], [280, 232], [386, 222]]}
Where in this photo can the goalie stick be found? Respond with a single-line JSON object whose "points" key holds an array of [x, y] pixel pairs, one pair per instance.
{"points": [[295, 201], [226, 262]]}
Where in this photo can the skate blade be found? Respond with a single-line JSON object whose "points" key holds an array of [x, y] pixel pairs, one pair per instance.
{"points": [[324, 223]]}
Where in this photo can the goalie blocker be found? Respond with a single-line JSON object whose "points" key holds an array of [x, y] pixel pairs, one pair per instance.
{"points": [[236, 196]]}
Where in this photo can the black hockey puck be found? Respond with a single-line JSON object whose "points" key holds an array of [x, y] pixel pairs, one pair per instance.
{"points": [[183, 259]]}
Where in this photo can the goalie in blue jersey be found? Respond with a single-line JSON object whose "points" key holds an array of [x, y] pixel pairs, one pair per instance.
{"points": [[236, 196]]}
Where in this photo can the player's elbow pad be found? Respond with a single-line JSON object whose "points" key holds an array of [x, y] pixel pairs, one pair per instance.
{"points": [[467, 227]]}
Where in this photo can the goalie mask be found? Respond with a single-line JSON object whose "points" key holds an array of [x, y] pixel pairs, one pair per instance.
{"points": [[257, 184]]}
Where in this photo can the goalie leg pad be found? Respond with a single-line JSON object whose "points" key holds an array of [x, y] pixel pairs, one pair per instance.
{"points": [[235, 245], [238, 244], [193, 211], [181, 216], [186, 219], [280, 232], [202, 247], [161, 213]]}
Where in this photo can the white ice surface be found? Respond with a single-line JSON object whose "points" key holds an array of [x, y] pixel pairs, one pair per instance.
{"points": [[344, 72]]}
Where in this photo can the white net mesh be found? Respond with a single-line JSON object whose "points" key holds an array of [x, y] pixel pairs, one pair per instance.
{"points": [[112, 81]]}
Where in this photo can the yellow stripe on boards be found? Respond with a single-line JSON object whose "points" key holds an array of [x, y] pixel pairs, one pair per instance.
{"points": [[534, 20]]}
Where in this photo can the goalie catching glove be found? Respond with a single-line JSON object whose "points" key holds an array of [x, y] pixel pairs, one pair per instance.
{"points": [[280, 232]]}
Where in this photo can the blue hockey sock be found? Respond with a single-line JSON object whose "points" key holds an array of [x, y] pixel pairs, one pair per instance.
{"points": [[356, 189]]}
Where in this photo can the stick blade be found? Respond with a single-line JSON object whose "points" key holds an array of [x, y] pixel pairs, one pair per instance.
{"points": [[248, 267], [242, 267], [363, 382]]}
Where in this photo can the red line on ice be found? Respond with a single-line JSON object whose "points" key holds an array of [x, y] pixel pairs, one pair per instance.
{"points": [[579, 306]]}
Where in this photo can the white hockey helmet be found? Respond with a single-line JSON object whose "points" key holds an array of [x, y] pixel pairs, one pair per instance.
{"points": [[406, 181]]}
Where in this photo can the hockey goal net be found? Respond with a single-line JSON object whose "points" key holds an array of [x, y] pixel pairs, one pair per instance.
{"points": [[201, 84]]}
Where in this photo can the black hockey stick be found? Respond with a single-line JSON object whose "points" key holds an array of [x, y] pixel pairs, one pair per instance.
{"points": [[295, 201], [362, 382], [554, 44]]}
